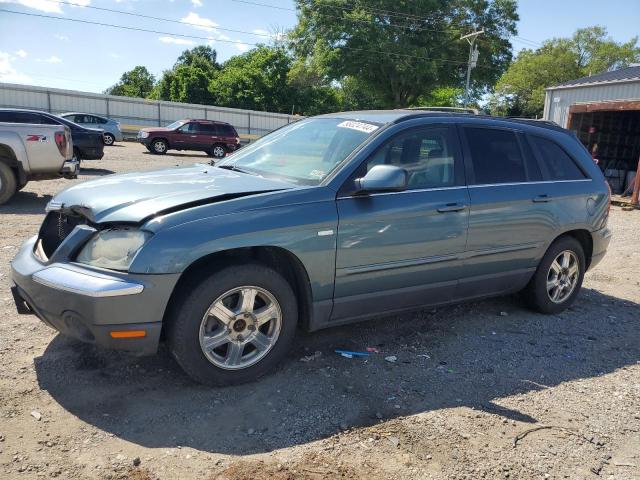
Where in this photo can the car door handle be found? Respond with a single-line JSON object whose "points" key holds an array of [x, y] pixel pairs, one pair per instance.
{"points": [[541, 198], [452, 207], [193, 136]]}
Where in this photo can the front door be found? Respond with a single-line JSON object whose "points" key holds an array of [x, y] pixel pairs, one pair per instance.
{"points": [[400, 250], [185, 137]]}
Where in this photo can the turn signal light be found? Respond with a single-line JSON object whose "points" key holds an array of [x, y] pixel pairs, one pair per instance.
{"points": [[128, 333]]}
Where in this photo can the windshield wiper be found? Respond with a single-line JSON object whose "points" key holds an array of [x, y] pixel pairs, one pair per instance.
{"points": [[233, 167]]}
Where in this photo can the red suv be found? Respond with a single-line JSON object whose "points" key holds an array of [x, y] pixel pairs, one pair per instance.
{"points": [[215, 138]]}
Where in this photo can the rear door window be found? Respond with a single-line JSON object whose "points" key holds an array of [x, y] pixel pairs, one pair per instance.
{"points": [[207, 129], [496, 156], [557, 163]]}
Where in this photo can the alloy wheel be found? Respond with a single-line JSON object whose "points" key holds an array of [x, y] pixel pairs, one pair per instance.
{"points": [[562, 277], [218, 152], [240, 327]]}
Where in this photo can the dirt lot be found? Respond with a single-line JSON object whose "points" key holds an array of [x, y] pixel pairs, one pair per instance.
{"points": [[481, 390]]}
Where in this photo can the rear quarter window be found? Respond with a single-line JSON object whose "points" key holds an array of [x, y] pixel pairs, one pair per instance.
{"points": [[557, 163]]}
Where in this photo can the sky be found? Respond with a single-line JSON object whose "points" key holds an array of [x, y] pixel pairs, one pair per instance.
{"points": [[42, 48]]}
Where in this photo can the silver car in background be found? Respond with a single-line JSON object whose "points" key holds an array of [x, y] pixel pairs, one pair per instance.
{"points": [[110, 127]]}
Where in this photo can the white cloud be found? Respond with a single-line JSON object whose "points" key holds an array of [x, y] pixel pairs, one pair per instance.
{"points": [[42, 5], [114, 55], [196, 3], [61, 37], [46, 5], [260, 31], [8, 73], [243, 47], [176, 40], [51, 59], [21, 53], [197, 21]]}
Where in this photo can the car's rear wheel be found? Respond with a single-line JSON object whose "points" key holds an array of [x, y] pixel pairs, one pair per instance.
{"points": [[217, 151], [109, 139], [558, 278], [159, 146], [233, 326], [8, 183]]}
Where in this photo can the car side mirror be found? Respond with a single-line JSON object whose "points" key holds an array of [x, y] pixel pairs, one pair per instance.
{"points": [[383, 178]]}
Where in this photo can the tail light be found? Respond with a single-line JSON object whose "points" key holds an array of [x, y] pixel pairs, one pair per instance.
{"points": [[62, 143]]}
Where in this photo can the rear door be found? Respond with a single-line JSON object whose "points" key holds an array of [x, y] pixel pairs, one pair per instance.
{"points": [[510, 222], [206, 135], [399, 250]]}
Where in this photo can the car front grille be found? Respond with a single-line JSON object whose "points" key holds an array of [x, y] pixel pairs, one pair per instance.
{"points": [[55, 228]]}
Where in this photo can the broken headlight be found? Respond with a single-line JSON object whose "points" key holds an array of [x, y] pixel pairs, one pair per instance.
{"points": [[114, 248]]}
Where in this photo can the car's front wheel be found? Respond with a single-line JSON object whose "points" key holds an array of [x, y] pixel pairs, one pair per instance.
{"points": [[159, 146], [233, 326], [108, 139], [558, 278]]}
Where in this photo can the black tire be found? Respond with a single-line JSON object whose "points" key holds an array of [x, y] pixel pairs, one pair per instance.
{"points": [[8, 183], [159, 146], [109, 139], [187, 312], [536, 294], [217, 151]]}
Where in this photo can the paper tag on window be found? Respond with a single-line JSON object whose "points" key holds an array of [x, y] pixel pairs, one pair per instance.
{"points": [[360, 126]]}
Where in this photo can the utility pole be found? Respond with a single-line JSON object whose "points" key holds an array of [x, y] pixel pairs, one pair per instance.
{"points": [[473, 60]]}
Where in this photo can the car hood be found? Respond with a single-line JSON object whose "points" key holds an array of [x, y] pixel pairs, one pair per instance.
{"points": [[134, 197], [156, 129]]}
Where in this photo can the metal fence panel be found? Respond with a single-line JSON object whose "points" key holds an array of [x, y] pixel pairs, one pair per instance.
{"points": [[134, 113]]}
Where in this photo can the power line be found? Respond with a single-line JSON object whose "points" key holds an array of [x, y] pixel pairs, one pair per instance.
{"points": [[460, 29], [158, 32], [352, 20], [151, 17]]}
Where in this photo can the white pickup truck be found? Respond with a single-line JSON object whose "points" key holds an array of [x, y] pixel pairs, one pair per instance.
{"points": [[33, 152]]}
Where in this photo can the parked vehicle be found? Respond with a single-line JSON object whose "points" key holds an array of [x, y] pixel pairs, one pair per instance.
{"points": [[326, 221], [33, 152], [215, 138], [88, 143], [110, 128]]}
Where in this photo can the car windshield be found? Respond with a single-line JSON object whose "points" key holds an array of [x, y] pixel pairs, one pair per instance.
{"points": [[174, 125], [304, 152]]}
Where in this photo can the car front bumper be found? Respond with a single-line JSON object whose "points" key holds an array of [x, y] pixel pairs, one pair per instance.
{"points": [[111, 309]]}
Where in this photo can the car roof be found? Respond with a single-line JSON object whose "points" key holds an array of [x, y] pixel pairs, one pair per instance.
{"points": [[203, 120], [396, 116], [83, 113]]}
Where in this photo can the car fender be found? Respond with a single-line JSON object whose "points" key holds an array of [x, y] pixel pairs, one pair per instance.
{"points": [[306, 230]]}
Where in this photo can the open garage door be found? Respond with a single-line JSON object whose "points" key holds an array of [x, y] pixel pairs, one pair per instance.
{"points": [[611, 132]]}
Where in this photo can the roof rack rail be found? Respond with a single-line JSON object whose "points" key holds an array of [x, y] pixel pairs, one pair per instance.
{"points": [[465, 110], [540, 120]]}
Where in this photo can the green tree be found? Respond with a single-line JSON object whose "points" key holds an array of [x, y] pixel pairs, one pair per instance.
{"points": [[521, 89], [257, 79], [134, 83], [400, 56], [188, 80], [202, 56]]}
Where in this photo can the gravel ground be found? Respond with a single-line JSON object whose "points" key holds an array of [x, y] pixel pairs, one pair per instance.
{"points": [[480, 390]]}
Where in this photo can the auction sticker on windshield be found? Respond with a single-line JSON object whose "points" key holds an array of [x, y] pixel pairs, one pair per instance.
{"points": [[360, 126]]}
